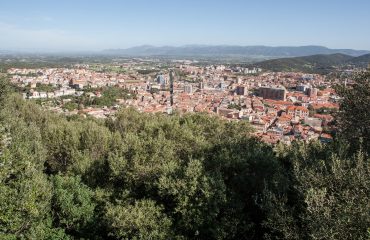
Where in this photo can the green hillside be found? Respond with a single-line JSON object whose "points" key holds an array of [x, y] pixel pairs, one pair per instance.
{"points": [[361, 61], [311, 64]]}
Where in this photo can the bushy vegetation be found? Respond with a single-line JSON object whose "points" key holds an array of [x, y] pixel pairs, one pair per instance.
{"points": [[354, 115], [322, 64], [108, 98], [144, 176]]}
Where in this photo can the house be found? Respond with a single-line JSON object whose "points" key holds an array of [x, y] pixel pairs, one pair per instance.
{"points": [[297, 111], [43, 95], [326, 118], [51, 95], [326, 138], [313, 122], [260, 125], [224, 111], [34, 95]]}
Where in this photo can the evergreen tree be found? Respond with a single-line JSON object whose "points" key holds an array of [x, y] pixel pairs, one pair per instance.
{"points": [[354, 115]]}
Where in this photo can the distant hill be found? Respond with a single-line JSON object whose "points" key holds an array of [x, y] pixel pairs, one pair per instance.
{"points": [[319, 63], [361, 61], [225, 50]]}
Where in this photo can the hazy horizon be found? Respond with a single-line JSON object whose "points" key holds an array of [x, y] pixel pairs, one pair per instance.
{"points": [[71, 51]]}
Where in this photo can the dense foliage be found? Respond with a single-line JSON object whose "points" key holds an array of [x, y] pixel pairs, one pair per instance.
{"points": [[354, 115], [320, 63], [144, 176]]}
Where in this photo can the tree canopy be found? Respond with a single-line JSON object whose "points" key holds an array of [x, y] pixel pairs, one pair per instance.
{"points": [[191, 176], [354, 115]]}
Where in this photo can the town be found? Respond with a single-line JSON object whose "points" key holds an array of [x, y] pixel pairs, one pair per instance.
{"points": [[281, 106]]}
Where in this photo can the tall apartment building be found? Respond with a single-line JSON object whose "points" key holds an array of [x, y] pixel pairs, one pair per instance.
{"points": [[274, 93], [201, 85], [188, 89], [241, 90], [312, 92]]}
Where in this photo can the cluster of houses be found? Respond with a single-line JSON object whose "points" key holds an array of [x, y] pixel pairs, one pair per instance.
{"points": [[64, 91], [281, 106]]}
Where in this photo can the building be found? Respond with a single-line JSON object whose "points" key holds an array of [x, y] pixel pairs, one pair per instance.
{"points": [[241, 90], [34, 95], [312, 92], [302, 88], [43, 95], [313, 122], [188, 89], [201, 85], [326, 138], [308, 77], [161, 80], [297, 111], [274, 93], [260, 125], [223, 86], [252, 71]]}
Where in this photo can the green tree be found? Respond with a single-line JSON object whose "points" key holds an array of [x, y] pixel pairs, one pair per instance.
{"points": [[142, 220], [25, 192], [72, 204], [4, 89], [197, 199], [354, 116], [70, 106], [327, 195], [63, 142]]}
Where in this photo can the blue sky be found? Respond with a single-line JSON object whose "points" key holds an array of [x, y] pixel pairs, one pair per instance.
{"points": [[94, 25]]}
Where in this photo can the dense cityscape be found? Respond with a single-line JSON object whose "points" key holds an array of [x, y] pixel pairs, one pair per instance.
{"points": [[281, 106]]}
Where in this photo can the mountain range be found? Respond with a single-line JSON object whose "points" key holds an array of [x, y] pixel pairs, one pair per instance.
{"points": [[226, 50]]}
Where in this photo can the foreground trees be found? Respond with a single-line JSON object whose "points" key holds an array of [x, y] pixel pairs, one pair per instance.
{"points": [[328, 195], [145, 176], [354, 115]]}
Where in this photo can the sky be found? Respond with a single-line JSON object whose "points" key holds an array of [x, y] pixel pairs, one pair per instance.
{"points": [[84, 25]]}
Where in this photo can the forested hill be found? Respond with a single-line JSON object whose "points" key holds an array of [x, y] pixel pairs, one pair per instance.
{"points": [[311, 64], [144, 176], [363, 60]]}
